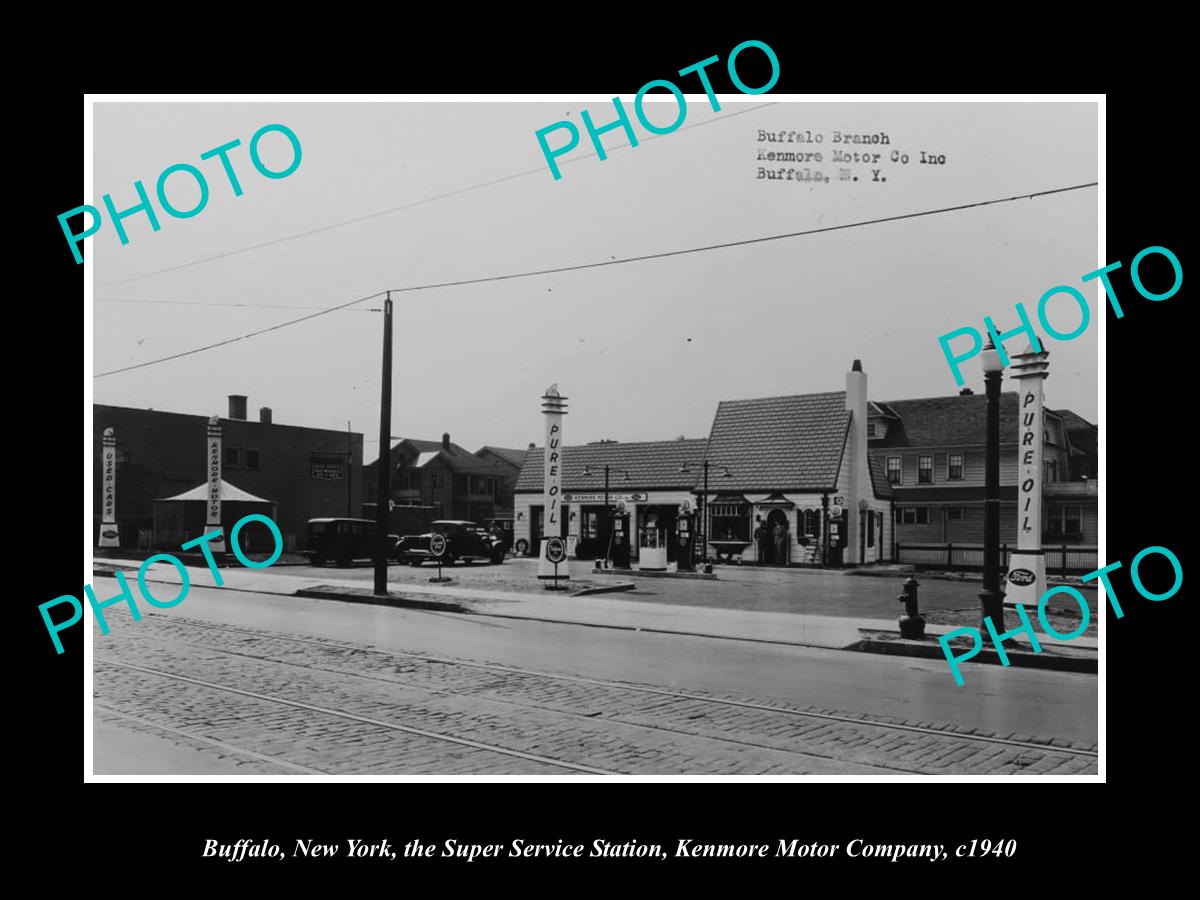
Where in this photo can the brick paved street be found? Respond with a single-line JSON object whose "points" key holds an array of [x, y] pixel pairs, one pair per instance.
{"points": [[278, 700]]}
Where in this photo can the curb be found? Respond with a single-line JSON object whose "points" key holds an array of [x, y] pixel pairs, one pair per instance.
{"points": [[371, 599], [970, 578], [1016, 659], [636, 573], [605, 589]]}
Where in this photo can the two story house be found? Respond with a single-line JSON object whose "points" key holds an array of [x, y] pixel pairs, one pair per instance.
{"points": [[442, 476], [932, 453]]}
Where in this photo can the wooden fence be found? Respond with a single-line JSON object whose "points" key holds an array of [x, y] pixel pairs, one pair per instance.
{"points": [[1061, 559]]}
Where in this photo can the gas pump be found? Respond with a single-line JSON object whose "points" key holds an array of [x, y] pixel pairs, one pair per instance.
{"points": [[684, 536], [620, 536], [837, 535]]}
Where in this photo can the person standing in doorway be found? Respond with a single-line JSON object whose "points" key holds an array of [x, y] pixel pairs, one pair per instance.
{"points": [[761, 541], [781, 542]]}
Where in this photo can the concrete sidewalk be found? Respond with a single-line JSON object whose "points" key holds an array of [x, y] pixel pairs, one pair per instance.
{"points": [[605, 611]]}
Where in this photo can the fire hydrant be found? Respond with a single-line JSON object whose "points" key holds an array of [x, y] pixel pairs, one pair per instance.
{"points": [[911, 624]]}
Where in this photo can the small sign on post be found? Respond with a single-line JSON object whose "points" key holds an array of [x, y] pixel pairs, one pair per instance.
{"points": [[437, 547], [556, 552]]}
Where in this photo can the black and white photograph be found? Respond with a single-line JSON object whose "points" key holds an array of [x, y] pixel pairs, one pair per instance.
{"points": [[690, 434]]}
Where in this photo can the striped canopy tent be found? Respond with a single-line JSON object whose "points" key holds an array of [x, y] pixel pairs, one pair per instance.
{"points": [[181, 518]]}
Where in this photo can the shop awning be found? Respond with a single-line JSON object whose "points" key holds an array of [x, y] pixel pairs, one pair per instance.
{"points": [[728, 505], [228, 493], [776, 501]]}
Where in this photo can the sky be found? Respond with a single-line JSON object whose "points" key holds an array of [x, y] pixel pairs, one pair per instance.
{"points": [[643, 350]]}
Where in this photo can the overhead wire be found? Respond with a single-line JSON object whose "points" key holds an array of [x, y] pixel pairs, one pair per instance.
{"points": [[612, 262], [415, 203]]}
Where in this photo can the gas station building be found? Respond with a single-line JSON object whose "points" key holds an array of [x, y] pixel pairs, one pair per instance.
{"points": [[647, 484]]}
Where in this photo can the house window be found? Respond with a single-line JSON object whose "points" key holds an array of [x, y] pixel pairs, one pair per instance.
{"points": [[810, 521], [954, 512], [438, 480], [231, 456], [870, 429], [251, 459], [1049, 470], [870, 529], [916, 515], [954, 467], [893, 469], [1064, 521], [925, 469]]}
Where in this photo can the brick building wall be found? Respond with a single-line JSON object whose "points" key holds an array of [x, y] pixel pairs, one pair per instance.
{"points": [[161, 454]]}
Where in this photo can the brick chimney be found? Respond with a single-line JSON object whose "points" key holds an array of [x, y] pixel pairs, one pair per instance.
{"points": [[446, 440], [237, 406], [264, 415]]}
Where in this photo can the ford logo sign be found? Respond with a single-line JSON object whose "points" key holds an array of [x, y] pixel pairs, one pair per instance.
{"points": [[109, 533], [1021, 576]]}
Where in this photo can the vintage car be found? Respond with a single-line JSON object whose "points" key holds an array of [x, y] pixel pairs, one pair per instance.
{"points": [[342, 540], [464, 540]]}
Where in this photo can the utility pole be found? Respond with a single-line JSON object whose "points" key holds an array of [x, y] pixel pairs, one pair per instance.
{"points": [[604, 521], [384, 475]]}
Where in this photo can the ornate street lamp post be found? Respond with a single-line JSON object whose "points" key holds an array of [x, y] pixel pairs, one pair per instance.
{"points": [[587, 471], [703, 510]]}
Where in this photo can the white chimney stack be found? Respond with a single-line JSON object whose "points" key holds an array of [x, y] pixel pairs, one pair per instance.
{"points": [[858, 479]]}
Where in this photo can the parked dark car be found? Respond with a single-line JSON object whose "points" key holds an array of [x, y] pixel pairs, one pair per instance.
{"points": [[342, 540], [464, 540]]}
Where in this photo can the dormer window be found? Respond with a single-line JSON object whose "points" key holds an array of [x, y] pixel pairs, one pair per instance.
{"points": [[872, 430]]}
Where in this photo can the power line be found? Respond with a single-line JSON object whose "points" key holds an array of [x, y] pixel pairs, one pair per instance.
{"points": [[240, 337], [616, 262], [742, 243], [227, 305], [415, 203]]}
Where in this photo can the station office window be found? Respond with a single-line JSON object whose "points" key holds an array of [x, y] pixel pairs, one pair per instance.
{"points": [[251, 459], [954, 467], [925, 469], [231, 456], [954, 512], [893, 469], [916, 515], [730, 522], [590, 527]]}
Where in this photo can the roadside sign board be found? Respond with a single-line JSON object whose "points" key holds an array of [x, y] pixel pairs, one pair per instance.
{"points": [[437, 545]]}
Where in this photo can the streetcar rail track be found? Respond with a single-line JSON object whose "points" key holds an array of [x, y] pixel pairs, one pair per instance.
{"points": [[366, 720], [223, 745], [627, 686], [809, 754]]}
